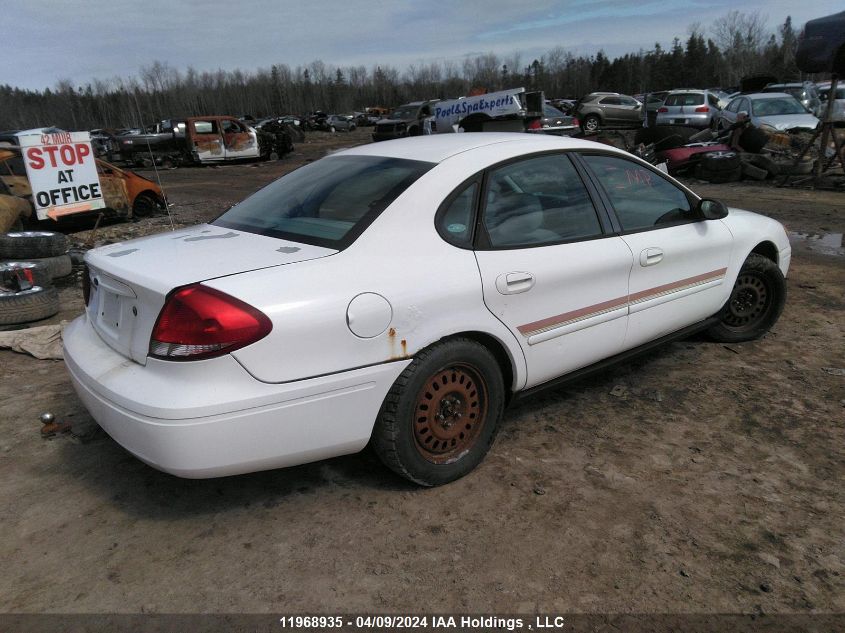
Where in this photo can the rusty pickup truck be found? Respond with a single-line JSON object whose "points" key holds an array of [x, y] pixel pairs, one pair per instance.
{"points": [[199, 140]]}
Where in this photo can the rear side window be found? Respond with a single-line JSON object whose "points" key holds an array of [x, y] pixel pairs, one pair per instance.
{"points": [[327, 203], [684, 99], [455, 218], [641, 198]]}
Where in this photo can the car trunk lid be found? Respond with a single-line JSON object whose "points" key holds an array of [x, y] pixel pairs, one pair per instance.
{"points": [[130, 281]]}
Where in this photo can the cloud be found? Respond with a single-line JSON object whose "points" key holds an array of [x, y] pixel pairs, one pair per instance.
{"points": [[55, 39]]}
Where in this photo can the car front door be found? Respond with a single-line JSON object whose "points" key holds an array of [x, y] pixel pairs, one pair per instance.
{"points": [[550, 270], [680, 259], [206, 140]]}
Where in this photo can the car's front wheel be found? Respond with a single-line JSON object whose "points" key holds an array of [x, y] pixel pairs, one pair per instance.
{"points": [[755, 304], [440, 417]]}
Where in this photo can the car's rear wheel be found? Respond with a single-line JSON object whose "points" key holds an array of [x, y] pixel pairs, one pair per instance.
{"points": [[440, 417], [591, 123], [145, 205], [755, 304]]}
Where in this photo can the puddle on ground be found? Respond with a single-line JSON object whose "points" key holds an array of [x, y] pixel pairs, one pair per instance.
{"points": [[825, 243]]}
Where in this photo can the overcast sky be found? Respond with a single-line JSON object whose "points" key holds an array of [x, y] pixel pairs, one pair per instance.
{"points": [[82, 40]]}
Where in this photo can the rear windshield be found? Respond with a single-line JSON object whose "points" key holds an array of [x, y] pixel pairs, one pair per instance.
{"points": [[684, 99], [327, 203]]}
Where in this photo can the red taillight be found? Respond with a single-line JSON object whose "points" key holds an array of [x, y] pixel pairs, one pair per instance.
{"points": [[535, 125], [200, 322], [86, 285], [702, 109], [663, 109], [576, 122]]}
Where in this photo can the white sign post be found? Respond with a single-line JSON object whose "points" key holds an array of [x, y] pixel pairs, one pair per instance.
{"points": [[62, 173]]}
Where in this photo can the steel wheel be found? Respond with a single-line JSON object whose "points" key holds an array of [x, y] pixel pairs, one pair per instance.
{"points": [[756, 302], [748, 301], [440, 416], [451, 410]]}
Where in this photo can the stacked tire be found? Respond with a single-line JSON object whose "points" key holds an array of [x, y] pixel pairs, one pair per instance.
{"points": [[29, 262], [719, 167]]}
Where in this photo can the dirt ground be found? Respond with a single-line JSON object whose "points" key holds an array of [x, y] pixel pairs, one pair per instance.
{"points": [[702, 478]]}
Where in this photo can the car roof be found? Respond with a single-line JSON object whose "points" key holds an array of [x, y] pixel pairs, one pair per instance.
{"points": [[436, 148], [768, 95]]}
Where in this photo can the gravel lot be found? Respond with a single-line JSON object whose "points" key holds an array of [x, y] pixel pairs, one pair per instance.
{"points": [[701, 478]]}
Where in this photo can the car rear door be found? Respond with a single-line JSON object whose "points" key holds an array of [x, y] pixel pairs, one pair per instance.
{"points": [[550, 269], [679, 259], [238, 141]]}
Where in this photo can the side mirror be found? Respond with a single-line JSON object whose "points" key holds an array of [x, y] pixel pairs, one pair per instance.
{"points": [[712, 209]]}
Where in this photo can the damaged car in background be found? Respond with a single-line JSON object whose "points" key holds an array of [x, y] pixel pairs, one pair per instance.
{"points": [[125, 193], [281, 333], [201, 140], [769, 111]]}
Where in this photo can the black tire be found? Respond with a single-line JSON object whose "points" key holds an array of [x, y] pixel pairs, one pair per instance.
{"points": [[28, 305], [765, 162], [591, 123], [144, 206], [720, 161], [755, 304], [32, 244], [421, 432], [718, 177], [752, 171], [58, 266], [38, 271]]}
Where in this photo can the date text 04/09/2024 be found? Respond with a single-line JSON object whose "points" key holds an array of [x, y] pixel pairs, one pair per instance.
{"points": [[414, 622]]}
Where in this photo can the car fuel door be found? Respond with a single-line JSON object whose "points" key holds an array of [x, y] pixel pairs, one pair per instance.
{"points": [[549, 271]]}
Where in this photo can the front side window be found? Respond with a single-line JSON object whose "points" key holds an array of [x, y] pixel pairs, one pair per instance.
{"points": [[327, 203], [641, 197], [538, 201], [205, 127]]}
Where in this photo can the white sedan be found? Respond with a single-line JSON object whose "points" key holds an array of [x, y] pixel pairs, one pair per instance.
{"points": [[401, 294]]}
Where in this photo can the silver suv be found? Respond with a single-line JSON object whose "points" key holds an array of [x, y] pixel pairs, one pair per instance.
{"points": [[608, 109], [692, 108]]}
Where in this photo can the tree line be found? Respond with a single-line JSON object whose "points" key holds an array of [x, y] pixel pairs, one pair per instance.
{"points": [[736, 44]]}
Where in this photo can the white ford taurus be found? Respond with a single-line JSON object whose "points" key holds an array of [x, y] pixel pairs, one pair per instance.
{"points": [[401, 294]]}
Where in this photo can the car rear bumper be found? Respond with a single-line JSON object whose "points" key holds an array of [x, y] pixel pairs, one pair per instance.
{"points": [[217, 420], [689, 120]]}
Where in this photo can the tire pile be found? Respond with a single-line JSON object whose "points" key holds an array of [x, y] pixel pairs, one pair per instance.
{"points": [[29, 262]]}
